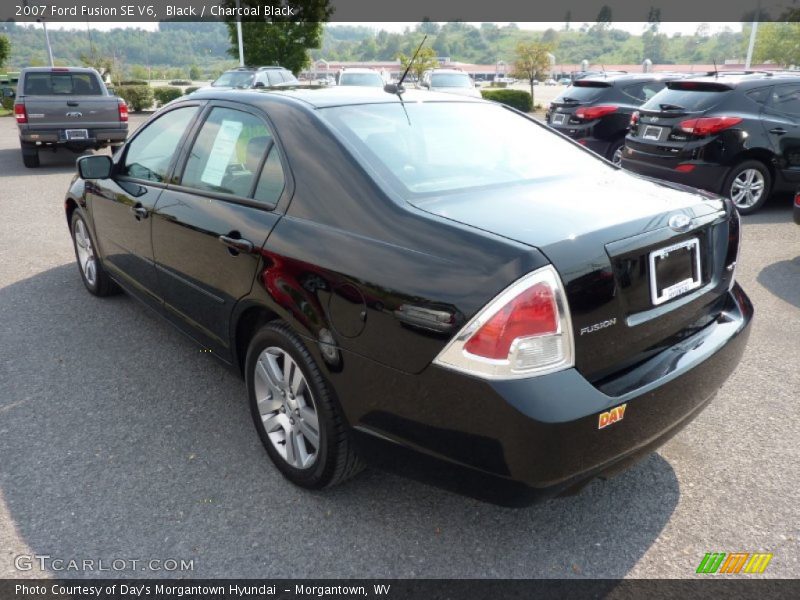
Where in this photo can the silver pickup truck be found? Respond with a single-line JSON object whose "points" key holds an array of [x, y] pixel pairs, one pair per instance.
{"points": [[66, 107]]}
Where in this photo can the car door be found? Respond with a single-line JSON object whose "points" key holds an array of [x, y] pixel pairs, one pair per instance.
{"points": [[782, 121], [209, 227], [121, 206]]}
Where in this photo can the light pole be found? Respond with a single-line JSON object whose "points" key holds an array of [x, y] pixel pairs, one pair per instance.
{"points": [[47, 40], [239, 33]]}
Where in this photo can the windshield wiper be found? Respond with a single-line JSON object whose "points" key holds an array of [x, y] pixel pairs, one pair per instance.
{"points": [[666, 107]]}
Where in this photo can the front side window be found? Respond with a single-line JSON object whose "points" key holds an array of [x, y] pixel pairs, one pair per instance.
{"points": [[786, 99], [424, 147], [450, 80], [361, 79], [234, 79], [228, 153], [150, 153]]}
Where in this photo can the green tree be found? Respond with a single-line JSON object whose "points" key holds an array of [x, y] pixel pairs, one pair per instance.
{"points": [[532, 58], [195, 73], [5, 50], [426, 59], [283, 40], [778, 42]]}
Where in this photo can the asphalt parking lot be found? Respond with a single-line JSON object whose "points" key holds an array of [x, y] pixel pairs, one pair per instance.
{"points": [[119, 439]]}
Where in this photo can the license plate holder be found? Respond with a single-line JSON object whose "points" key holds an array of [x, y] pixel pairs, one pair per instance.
{"points": [[76, 134], [559, 118], [651, 132], [675, 270]]}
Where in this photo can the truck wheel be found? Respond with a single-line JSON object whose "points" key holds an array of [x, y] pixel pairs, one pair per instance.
{"points": [[30, 156]]}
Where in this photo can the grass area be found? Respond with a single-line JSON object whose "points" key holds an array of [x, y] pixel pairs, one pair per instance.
{"points": [[4, 112]]}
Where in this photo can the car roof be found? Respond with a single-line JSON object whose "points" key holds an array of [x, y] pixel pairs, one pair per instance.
{"points": [[613, 78], [359, 70], [59, 69], [268, 68], [749, 79], [324, 97], [448, 71]]}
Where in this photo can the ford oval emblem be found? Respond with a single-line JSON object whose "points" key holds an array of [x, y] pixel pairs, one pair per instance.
{"points": [[680, 222]]}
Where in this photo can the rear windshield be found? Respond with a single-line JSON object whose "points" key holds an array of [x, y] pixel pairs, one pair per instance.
{"points": [[450, 80], [424, 148], [361, 79], [67, 84], [583, 91], [683, 99], [234, 79]]}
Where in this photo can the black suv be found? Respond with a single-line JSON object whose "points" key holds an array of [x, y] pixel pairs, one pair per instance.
{"points": [[735, 134], [596, 110], [256, 77]]}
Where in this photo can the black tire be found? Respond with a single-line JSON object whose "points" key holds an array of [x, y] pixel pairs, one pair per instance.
{"points": [[336, 458], [742, 167], [615, 147], [102, 285], [30, 156]]}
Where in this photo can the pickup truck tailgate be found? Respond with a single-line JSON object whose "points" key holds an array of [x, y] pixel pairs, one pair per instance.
{"points": [[85, 112]]}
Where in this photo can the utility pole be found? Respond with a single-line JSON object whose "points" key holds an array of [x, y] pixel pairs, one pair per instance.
{"points": [[47, 40], [752, 45], [239, 33]]}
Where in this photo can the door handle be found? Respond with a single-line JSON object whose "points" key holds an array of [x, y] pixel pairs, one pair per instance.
{"points": [[237, 244], [139, 211], [778, 130], [72, 103]]}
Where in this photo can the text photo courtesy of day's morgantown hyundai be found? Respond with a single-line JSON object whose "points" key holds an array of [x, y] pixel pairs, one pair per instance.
{"points": [[302, 300]]}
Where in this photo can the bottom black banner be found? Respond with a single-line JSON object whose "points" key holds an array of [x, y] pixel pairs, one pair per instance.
{"points": [[393, 589]]}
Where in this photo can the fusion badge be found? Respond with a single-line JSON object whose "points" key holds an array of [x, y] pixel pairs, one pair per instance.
{"points": [[612, 416]]}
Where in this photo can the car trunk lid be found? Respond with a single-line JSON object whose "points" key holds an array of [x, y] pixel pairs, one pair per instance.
{"points": [[600, 234]]}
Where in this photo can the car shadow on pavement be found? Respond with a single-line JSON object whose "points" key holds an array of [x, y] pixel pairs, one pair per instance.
{"points": [[120, 439], [60, 161], [781, 279]]}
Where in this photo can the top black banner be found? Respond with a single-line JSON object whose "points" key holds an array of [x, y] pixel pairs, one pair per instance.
{"points": [[575, 11]]}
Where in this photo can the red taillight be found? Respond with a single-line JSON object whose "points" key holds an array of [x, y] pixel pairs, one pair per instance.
{"points": [[708, 125], [20, 113], [531, 313], [59, 69], [123, 111], [594, 112], [797, 199], [684, 168], [634, 118]]}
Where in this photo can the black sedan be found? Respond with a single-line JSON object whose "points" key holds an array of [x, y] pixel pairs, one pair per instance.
{"points": [[433, 274]]}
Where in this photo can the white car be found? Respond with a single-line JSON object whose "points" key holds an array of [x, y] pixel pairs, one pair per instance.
{"points": [[550, 81], [361, 78], [450, 81]]}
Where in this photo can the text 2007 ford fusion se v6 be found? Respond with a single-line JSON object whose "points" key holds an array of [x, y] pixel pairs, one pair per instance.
{"points": [[439, 273]]}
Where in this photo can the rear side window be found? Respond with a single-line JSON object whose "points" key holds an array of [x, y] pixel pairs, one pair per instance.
{"points": [[289, 77], [150, 153], [786, 99], [643, 91], [271, 182], [228, 153], [760, 95], [62, 84], [275, 77]]}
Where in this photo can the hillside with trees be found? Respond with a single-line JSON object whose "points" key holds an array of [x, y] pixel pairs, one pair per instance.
{"points": [[176, 48]]}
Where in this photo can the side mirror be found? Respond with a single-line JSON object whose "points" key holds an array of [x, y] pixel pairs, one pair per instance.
{"points": [[259, 84], [95, 167]]}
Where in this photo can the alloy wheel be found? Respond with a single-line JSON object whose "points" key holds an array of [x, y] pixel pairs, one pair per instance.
{"points": [[747, 188], [286, 406], [86, 258], [616, 158]]}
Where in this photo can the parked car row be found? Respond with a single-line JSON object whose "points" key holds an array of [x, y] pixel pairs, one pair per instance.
{"points": [[733, 133]]}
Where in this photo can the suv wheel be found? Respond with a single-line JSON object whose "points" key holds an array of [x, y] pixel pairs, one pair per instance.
{"points": [[30, 155], [748, 186], [295, 411], [615, 152]]}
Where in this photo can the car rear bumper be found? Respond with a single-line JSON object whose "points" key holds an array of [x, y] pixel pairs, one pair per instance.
{"points": [[703, 175], [541, 436], [56, 137], [797, 214]]}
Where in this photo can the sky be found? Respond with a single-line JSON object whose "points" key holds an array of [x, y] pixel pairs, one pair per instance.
{"points": [[634, 28]]}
